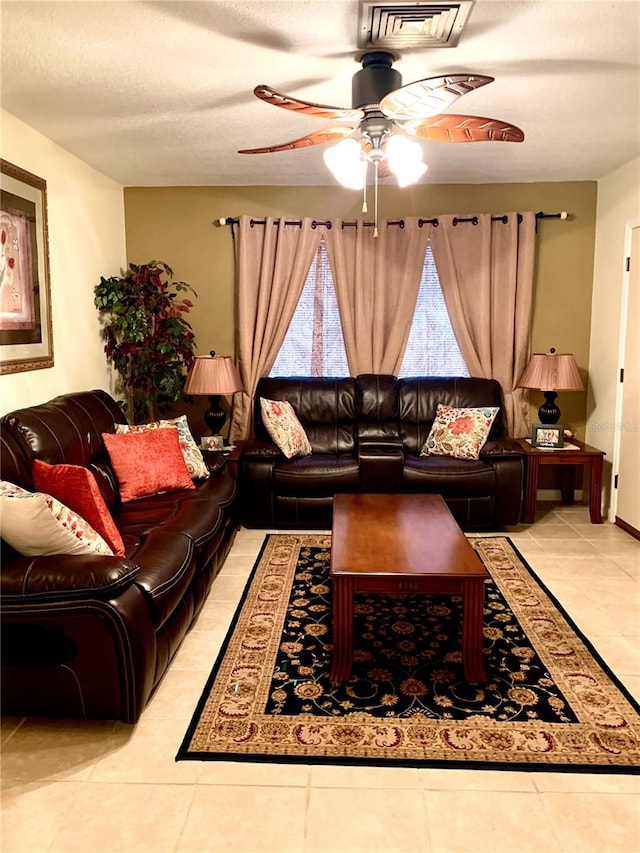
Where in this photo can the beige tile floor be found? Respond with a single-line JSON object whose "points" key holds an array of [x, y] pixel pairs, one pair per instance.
{"points": [[104, 786]]}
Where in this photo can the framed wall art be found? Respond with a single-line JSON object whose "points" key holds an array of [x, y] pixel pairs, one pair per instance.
{"points": [[547, 435], [26, 338]]}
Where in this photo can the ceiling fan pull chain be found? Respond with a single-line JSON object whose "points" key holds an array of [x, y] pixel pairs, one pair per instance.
{"points": [[365, 209], [375, 202]]}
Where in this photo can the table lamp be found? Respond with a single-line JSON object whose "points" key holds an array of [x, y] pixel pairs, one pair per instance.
{"points": [[551, 372], [212, 376]]}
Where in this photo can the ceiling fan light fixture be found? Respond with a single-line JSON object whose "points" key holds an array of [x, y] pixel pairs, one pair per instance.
{"points": [[410, 173], [345, 163], [404, 157]]}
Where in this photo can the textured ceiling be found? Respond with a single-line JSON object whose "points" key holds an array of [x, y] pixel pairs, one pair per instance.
{"points": [[160, 93]]}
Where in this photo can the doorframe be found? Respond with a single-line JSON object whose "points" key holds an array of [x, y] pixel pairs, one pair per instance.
{"points": [[630, 227]]}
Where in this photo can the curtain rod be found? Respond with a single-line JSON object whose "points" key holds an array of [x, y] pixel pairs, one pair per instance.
{"points": [[233, 220]]}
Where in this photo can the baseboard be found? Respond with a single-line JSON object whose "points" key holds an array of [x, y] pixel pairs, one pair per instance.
{"points": [[628, 528]]}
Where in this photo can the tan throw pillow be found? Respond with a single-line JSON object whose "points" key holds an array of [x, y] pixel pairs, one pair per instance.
{"points": [[284, 427], [459, 432], [36, 525], [192, 456]]}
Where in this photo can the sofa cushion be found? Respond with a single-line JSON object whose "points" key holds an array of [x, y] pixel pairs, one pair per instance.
{"points": [[419, 398], [76, 487], [325, 407], [190, 451], [448, 476], [200, 513], [197, 512], [148, 462], [320, 474], [284, 427], [459, 432], [36, 524]]}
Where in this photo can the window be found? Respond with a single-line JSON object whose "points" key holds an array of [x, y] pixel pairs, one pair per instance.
{"points": [[314, 346], [432, 349]]}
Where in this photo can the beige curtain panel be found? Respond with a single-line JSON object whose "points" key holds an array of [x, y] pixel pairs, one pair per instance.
{"points": [[485, 265], [377, 281], [273, 258], [486, 274]]}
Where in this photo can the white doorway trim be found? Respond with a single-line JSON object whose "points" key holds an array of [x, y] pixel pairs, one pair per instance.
{"points": [[630, 226]]}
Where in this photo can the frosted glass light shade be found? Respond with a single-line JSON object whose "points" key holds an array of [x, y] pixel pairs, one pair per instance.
{"points": [[345, 163], [405, 159]]}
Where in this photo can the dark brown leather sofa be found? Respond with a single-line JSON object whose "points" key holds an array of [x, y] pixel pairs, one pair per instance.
{"points": [[92, 636], [366, 434]]}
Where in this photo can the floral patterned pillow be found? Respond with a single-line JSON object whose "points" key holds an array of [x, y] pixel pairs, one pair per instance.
{"points": [[284, 427], [193, 458], [459, 432], [7, 489], [36, 524]]}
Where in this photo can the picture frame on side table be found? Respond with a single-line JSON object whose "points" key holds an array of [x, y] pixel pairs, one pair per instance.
{"points": [[212, 442], [26, 334], [550, 436]]}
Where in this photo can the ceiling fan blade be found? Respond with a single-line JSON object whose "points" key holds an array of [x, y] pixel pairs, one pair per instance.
{"points": [[266, 93], [431, 96], [327, 134], [457, 128]]}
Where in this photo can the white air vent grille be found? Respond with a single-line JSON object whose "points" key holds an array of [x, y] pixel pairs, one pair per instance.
{"points": [[411, 24]]}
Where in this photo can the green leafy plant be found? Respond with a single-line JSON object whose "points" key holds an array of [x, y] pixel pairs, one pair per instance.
{"points": [[147, 337]]}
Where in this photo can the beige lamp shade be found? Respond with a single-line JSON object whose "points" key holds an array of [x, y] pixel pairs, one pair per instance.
{"points": [[213, 374], [552, 372]]}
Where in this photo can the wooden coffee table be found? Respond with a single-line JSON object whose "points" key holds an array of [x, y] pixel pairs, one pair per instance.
{"points": [[402, 544]]}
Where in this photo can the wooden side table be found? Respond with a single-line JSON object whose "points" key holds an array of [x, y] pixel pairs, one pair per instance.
{"points": [[217, 459], [232, 458], [568, 459]]}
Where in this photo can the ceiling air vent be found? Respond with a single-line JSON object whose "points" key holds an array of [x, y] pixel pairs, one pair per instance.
{"points": [[423, 23]]}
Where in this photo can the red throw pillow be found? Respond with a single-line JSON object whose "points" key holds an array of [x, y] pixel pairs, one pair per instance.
{"points": [[76, 487], [147, 462]]}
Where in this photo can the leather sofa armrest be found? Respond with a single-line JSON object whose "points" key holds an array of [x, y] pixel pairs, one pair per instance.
{"points": [[380, 445], [61, 577], [257, 461], [380, 460], [502, 447]]}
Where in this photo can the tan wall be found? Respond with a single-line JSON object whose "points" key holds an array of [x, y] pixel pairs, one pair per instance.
{"points": [[175, 225]]}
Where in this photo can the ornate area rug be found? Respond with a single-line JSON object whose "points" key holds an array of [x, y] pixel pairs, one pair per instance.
{"points": [[550, 702]]}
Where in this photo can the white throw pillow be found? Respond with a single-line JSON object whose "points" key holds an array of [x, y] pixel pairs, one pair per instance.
{"points": [[459, 432], [284, 427], [36, 524]]}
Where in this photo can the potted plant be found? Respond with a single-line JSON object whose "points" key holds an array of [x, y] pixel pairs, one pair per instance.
{"points": [[147, 337]]}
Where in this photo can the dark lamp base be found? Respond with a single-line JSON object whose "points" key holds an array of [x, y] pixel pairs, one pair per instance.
{"points": [[215, 415], [549, 413]]}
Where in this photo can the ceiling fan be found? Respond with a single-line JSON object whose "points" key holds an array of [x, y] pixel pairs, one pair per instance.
{"points": [[387, 114]]}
